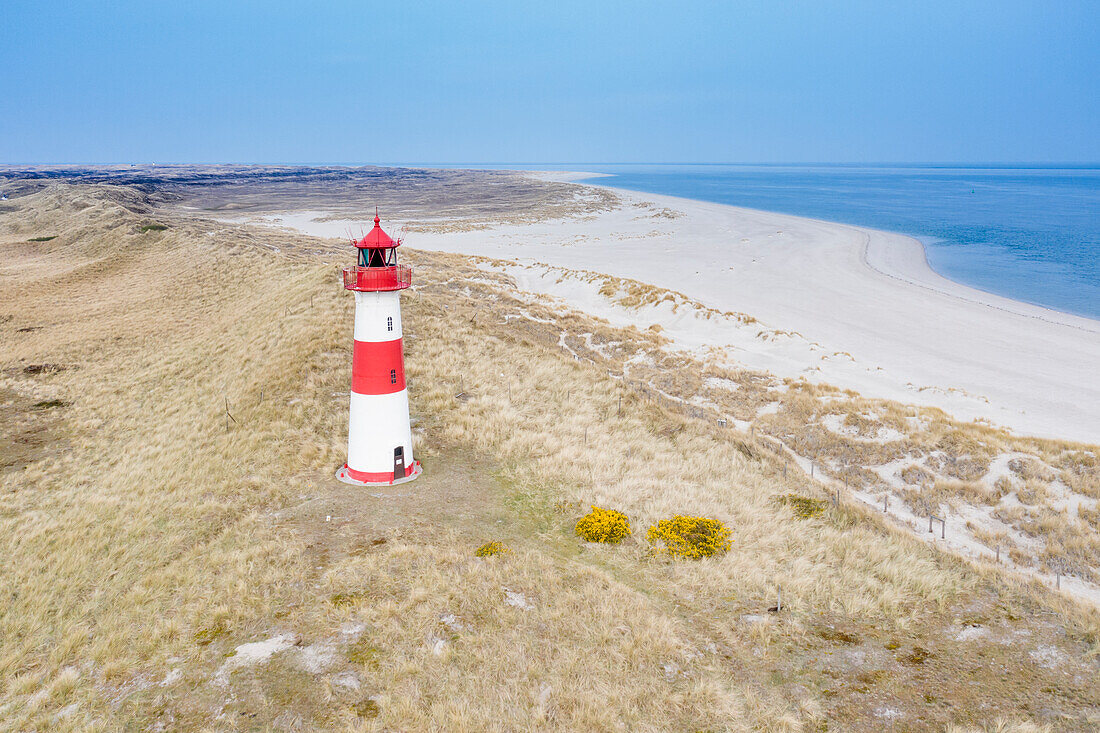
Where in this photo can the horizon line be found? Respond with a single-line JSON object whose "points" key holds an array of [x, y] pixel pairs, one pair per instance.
{"points": [[428, 164]]}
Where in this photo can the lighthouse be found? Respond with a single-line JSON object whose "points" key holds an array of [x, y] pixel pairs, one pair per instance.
{"points": [[379, 436]]}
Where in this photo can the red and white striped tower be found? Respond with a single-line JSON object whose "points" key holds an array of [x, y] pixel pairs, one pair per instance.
{"points": [[379, 436]]}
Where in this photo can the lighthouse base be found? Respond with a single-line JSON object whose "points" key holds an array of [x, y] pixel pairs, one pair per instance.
{"points": [[369, 479]]}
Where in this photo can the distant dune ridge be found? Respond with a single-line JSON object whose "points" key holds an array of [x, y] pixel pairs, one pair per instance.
{"points": [[173, 397]]}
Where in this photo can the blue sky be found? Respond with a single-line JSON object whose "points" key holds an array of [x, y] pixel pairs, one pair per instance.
{"points": [[561, 81]]}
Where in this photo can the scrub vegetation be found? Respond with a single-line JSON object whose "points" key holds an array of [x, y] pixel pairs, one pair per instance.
{"points": [[603, 525], [491, 548], [690, 537], [803, 506], [178, 554]]}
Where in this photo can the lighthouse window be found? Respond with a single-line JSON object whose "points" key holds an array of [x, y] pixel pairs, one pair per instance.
{"points": [[389, 323], [377, 258], [393, 376]]}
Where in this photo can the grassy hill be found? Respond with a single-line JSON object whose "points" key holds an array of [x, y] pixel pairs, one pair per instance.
{"points": [[178, 555]]}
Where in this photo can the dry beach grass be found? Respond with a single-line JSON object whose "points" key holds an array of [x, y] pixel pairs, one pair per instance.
{"points": [[171, 500], [1029, 498]]}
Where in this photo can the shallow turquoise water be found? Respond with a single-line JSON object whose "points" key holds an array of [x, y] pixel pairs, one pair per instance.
{"points": [[1031, 234]]}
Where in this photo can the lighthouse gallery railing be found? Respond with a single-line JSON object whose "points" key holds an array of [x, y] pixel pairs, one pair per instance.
{"points": [[398, 277]]}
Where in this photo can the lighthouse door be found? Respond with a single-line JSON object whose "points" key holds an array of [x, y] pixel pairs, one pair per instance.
{"points": [[398, 463]]}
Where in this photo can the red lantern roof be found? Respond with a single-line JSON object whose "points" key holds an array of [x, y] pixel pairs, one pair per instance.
{"points": [[376, 238]]}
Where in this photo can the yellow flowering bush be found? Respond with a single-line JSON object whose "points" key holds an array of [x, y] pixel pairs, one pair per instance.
{"points": [[690, 537], [491, 548], [603, 525]]}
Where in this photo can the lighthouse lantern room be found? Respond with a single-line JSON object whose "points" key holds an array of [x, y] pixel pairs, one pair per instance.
{"points": [[379, 436]]}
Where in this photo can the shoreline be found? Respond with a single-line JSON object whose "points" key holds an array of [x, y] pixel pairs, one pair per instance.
{"points": [[928, 243], [913, 276], [985, 298], [851, 306]]}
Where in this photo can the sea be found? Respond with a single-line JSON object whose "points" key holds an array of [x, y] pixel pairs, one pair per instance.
{"points": [[1027, 233]]}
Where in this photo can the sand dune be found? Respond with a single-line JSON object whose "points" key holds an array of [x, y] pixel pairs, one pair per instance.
{"points": [[171, 568]]}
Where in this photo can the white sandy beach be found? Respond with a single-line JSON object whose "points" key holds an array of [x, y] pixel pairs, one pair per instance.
{"points": [[857, 308]]}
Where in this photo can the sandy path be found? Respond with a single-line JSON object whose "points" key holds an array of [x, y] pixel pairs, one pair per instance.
{"points": [[911, 334]]}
